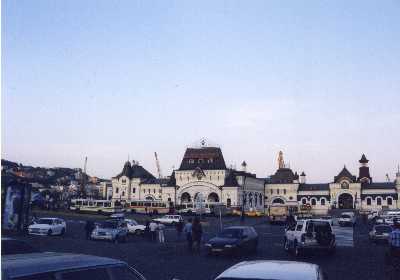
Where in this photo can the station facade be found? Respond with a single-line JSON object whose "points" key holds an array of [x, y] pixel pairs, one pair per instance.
{"points": [[204, 177]]}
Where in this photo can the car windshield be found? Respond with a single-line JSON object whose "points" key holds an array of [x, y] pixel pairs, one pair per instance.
{"points": [[383, 229], [230, 233], [108, 225], [45, 221], [346, 216]]}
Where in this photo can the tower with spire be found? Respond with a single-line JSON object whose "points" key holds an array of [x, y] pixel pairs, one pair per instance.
{"points": [[363, 176]]}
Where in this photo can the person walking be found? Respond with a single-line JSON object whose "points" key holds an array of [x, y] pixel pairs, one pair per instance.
{"points": [[89, 227], [161, 237], [147, 231], [153, 230], [197, 232], [188, 233], [179, 229], [394, 240]]}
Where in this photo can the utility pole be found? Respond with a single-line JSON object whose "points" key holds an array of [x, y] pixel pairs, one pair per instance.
{"points": [[82, 191]]}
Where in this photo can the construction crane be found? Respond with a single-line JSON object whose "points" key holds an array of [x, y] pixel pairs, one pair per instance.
{"points": [[82, 191], [158, 166]]}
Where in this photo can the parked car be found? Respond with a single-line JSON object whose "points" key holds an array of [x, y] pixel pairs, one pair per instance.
{"points": [[328, 218], [134, 227], [11, 246], [237, 239], [347, 219], [373, 215], [112, 230], [48, 226], [306, 235], [169, 219], [117, 216], [65, 266], [277, 270], [380, 233]]}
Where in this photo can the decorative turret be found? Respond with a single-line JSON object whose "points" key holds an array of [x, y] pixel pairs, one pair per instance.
{"points": [[281, 163], [302, 178], [244, 166], [364, 176]]}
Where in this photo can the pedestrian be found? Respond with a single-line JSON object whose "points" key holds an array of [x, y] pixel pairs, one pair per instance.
{"points": [[197, 232], [394, 240], [179, 228], [161, 237], [153, 230], [188, 233], [147, 231], [89, 227]]}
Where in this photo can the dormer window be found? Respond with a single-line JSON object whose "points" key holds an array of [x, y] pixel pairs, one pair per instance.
{"points": [[344, 185], [123, 181], [200, 160], [191, 161], [210, 160]]}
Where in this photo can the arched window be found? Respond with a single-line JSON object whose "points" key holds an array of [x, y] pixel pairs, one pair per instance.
{"points": [[322, 201], [117, 190], [369, 201], [284, 191], [304, 201], [378, 201], [313, 202], [123, 193], [260, 197], [389, 201], [228, 202], [255, 199], [277, 191]]}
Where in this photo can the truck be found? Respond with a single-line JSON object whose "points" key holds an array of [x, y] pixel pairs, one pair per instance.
{"points": [[278, 213]]}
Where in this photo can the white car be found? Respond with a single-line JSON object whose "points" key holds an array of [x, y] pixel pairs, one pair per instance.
{"points": [[347, 218], [312, 234], [134, 227], [279, 270], [48, 226], [169, 219]]}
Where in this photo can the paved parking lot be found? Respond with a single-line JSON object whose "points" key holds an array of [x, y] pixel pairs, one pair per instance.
{"points": [[355, 258]]}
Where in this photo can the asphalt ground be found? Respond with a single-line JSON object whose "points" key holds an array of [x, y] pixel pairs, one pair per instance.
{"points": [[355, 258]]}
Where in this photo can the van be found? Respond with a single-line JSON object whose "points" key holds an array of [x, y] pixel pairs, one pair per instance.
{"points": [[65, 266]]}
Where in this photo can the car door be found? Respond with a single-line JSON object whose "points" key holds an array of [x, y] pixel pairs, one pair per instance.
{"points": [[246, 238]]}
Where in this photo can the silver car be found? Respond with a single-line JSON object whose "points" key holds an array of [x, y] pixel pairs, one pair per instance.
{"points": [[112, 230], [63, 266], [380, 233], [277, 270]]}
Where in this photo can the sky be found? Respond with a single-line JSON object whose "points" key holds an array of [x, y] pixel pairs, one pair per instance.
{"points": [[319, 80]]}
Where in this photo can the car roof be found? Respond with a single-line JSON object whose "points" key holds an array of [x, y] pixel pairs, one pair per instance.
{"points": [[35, 263], [262, 269]]}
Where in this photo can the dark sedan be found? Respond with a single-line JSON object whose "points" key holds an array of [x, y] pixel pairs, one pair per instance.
{"points": [[238, 239]]}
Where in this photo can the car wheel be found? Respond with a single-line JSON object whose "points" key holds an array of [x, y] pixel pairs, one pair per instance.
{"points": [[62, 231], [286, 245], [49, 232]]}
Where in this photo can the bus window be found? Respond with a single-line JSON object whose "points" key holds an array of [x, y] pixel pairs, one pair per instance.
{"points": [[190, 205], [107, 204], [140, 203], [91, 203], [84, 203], [78, 202], [147, 204], [134, 204], [99, 203]]}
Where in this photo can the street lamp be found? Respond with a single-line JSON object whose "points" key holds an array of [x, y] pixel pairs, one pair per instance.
{"points": [[243, 198]]}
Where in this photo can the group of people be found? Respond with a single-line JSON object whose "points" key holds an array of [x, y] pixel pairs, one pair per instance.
{"points": [[154, 230], [193, 233]]}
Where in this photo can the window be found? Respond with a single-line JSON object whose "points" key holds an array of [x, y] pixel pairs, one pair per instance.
{"points": [[344, 185], [133, 190], [123, 181], [277, 191], [322, 201], [97, 273], [379, 201], [304, 201], [369, 201], [123, 193], [116, 190], [299, 227], [272, 191], [160, 191], [313, 202], [389, 201], [228, 202], [284, 191], [191, 161], [200, 160], [144, 190], [154, 190]]}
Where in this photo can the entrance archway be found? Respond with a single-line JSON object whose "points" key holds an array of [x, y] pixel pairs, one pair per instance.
{"points": [[345, 201], [278, 201], [213, 197], [185, 197]]}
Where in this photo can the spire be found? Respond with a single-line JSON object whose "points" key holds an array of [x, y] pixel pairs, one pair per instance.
{"points": [[244, 166], [281, 163], [363, 159]]}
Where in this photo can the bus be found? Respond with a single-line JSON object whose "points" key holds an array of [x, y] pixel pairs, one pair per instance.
{"points": [[147, 207], [95, 206], [207, 208]]}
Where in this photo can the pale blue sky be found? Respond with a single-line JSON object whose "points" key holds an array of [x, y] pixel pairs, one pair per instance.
{"points": [[319, 80]]}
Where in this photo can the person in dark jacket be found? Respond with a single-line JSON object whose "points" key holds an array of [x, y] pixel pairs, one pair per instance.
{"points": [[179, 229], [89, 227], [197, 232], [147, 230]]}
